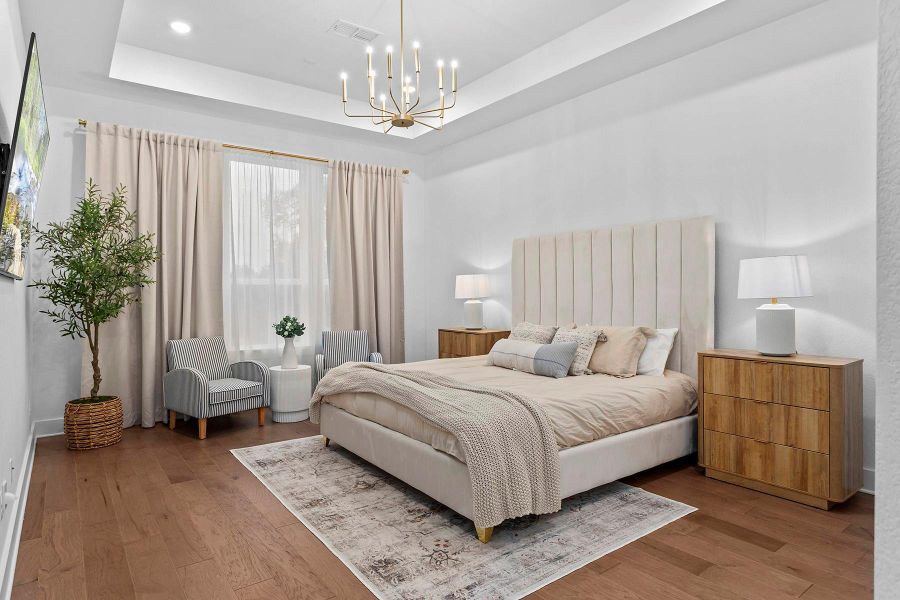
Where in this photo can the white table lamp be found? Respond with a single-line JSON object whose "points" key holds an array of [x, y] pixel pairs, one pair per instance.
{"points": [[775, 277], [472, 288]]}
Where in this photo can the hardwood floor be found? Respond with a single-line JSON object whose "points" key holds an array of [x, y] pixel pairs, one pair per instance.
{"points": [[165, 515]]}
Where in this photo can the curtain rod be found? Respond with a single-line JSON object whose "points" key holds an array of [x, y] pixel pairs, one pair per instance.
{"points": [[83, 123]]}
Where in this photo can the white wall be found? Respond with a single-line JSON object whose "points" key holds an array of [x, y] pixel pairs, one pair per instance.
{"points": [[15, 420], [771, 132], [887, 509], [64, 183]]}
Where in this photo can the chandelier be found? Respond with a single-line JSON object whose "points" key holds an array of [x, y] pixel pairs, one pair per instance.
{"points": [[403, 113]]}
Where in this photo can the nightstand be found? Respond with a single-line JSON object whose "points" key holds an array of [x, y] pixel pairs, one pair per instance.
{"points": [[788, 426], [459, 342]]}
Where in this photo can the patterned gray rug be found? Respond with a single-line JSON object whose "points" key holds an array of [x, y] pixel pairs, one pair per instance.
{"points": [[402, 544]]}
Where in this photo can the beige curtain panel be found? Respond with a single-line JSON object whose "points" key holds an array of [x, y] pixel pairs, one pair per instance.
{"points": [[364, 216], [175, 185]]}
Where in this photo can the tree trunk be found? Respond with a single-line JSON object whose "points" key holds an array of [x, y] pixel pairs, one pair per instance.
{"points": [[95, 360]]}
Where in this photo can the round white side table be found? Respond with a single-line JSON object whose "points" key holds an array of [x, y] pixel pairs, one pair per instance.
{"points": [[290, 390]]}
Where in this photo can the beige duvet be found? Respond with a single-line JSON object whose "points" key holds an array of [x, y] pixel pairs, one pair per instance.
{"points": [[581, 409]]}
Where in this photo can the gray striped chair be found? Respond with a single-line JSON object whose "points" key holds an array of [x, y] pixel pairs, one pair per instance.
{"points": [[339, 347], [201, 383]]}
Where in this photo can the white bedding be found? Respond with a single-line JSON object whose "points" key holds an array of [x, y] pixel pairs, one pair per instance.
{"points": [[581, 409]]}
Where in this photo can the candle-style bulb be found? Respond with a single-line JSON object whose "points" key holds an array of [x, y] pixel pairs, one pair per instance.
{"points": [[440, 65], [416, 54], [343, 87], [453, 65], [390, 57]]}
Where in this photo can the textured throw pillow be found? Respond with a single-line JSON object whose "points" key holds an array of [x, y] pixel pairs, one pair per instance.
{"points": [[531, 332], [549, 360], [619, 354], [655, 356], [586, 338]]}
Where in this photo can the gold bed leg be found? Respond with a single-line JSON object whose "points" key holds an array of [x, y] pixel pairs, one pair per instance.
{"points": [[326, 440], [484, 534]]}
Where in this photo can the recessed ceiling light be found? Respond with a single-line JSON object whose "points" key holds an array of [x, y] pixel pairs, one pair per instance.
{"points": [[180, 27]]}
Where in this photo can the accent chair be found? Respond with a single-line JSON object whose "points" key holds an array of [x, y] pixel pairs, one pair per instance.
{"points": [[201, 383], [339, 347]]}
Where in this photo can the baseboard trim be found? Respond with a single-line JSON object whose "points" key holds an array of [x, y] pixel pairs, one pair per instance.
{"points": [[868, 481], [48, 427], [10, 550]]}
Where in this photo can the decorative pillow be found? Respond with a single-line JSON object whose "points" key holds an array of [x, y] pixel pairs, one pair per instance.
{"points": [[656, 354], [601, 337], [531, 332], [549, 360], [619, 354], [586, 338]]}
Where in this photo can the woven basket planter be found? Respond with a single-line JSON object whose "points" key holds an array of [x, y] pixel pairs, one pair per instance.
{"points": [[93, 424]]}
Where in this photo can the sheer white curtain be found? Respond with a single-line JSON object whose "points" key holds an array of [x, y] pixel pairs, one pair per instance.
{"points": [[275, 261]]}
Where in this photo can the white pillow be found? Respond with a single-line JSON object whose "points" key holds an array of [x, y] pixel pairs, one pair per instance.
{"points": [[655, 355]]}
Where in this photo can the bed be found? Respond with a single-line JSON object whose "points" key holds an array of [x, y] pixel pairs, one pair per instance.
{"points": [[657, 274]]}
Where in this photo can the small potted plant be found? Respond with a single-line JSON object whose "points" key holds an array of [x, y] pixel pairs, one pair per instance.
{"points": [[289, 328], [98, 263]]}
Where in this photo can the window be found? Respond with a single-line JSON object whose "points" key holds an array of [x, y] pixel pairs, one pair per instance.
{"points": [[274, 254]]}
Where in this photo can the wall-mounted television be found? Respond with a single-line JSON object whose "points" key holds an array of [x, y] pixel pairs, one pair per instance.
{"points": [[21, 169]]}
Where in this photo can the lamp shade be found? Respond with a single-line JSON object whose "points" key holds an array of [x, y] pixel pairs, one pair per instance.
{"points": [[471, 286], [774, 277]]}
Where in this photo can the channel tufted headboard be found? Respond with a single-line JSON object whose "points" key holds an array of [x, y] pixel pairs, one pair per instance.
{"points": [[655, 274]]}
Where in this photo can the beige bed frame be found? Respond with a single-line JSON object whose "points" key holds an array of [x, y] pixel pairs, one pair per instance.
{"points": [[655, 274]]}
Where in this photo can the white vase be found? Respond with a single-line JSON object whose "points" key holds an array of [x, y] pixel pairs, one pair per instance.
{"points": [[289, 354]]}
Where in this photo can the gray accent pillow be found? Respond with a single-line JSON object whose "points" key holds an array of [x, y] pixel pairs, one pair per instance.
{"points": [[549, 360], [532, 332], [586, 338]]}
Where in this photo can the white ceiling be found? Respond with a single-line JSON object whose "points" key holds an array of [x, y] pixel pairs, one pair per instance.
{"points": [[275, 61], [289, 41]]}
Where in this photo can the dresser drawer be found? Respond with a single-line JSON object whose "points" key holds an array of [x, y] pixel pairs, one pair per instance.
{"points": [[800, 470], [799, 427], [802, 428], [794, 385], [799, 385], [457, 343], [747, 418], [739, 455], [738, 378], [774, 464]]}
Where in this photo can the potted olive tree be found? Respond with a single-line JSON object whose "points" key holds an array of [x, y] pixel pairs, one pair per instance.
{"points": [[98, 263]]}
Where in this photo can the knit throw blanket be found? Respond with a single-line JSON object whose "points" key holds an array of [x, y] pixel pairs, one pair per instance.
{"points": [[508, 442]]}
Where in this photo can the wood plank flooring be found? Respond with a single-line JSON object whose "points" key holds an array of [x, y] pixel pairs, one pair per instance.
{"points": [[164, 515]]}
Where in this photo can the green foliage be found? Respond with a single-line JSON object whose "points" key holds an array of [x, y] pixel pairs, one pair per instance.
{"points": [[289, 327], [98, 265]]}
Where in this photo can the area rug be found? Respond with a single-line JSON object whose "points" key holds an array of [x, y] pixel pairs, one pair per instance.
{"points": [[402, 544]]}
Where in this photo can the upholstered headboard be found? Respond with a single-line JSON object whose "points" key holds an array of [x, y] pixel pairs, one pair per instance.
{"points": [[655, 274]]}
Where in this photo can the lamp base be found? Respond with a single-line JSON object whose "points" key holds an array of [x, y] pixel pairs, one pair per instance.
{"points": [[473, 314], [775, 330]]}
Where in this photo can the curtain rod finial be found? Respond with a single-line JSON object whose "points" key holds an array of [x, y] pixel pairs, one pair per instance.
{"points": [[82, 123]]}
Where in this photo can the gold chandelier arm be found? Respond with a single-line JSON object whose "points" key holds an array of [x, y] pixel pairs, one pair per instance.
{"points": [[391, 93], [430, 126], [418, 94], [355, 116], [438, 110]]}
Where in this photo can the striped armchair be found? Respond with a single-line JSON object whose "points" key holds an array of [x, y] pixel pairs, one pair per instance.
{"points": [[339, 347], [201, 383]]}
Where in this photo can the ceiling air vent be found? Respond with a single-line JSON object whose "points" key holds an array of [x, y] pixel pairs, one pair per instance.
{"points": [[353, 31]]}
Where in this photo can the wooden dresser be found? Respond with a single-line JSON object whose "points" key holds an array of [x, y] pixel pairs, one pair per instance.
{"points": [[788, 426], [459, 342]]}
